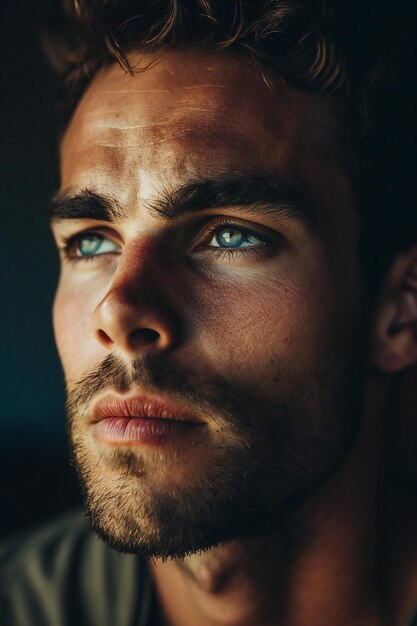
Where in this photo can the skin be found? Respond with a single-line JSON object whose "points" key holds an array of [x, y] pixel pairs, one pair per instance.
{"points": [[187, 116]]}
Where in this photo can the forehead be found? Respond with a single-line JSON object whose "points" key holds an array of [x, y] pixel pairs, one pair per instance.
{"points": [[186, 114]]}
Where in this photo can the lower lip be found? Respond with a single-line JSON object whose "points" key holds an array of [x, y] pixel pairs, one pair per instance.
{"points": [[142, 430]]}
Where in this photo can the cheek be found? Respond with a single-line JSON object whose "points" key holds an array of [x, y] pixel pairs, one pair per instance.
{"points": [[72, 317], [244, 326]]}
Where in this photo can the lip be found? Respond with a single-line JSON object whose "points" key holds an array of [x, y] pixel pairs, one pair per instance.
{"points": [[143, 419], [141, 406]]}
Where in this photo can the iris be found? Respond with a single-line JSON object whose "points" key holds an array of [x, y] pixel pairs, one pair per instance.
{"points": [[94, 244], [234, 238]]}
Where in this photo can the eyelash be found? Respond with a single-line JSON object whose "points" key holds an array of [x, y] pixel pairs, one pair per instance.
{"points": [[207, 233]]}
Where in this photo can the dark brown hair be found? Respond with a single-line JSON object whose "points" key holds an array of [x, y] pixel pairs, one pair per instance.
{"points": [[317, 45], [356, 53]]}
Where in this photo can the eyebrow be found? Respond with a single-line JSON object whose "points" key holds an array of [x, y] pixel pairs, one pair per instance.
{"points": [[257, 192], [83, 205]]}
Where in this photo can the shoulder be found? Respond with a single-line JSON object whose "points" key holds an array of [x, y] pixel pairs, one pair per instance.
{"points": [[24, 549], [62, 574]]}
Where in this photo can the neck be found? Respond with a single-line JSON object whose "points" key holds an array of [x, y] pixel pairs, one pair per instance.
{"points": [[327, 572]]}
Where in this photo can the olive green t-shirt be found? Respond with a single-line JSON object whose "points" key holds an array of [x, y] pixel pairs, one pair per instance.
{"points": [[62, 575]]}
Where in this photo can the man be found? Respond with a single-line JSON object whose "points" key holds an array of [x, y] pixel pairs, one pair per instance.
{"points": [[228, 361]]}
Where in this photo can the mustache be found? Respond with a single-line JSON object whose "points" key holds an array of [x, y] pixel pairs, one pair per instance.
{"points": [[153, 374]]}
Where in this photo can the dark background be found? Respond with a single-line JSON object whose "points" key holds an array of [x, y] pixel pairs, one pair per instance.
{"points": [[36, 478]]}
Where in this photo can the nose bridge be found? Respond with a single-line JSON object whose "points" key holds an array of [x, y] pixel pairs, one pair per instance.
{"points": [[133, 274], [134, 315]]}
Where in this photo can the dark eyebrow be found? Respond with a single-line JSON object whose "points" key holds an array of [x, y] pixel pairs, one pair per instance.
{"points": [[253, 190], [233, 189], [83, 205]]}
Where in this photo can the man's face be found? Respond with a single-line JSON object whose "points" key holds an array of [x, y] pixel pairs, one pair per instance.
{"points": [[210, 275]]}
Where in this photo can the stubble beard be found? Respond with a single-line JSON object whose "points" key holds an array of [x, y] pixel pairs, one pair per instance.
{"points": [[268, 454]]}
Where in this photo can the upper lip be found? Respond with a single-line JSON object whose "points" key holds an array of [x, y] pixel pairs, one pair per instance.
{"points": [[140, 405]]}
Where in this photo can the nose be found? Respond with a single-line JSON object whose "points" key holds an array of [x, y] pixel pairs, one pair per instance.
{"points": [[134, 323]]}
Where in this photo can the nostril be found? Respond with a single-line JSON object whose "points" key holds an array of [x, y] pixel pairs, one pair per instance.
{"points": [[103, 337], [144, 336]]}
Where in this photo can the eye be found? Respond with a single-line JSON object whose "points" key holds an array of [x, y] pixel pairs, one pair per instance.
{"points": [[233, 237], [93, 244], [233, 241], [90, 245]]}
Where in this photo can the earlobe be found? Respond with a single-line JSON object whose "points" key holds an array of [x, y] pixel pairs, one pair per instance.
{"points": [[395, 346]]}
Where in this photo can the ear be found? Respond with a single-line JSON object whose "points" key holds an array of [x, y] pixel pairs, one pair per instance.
{"points": [[395, 340]]}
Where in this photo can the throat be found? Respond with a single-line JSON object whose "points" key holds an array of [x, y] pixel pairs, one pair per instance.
{"points": [[210, 573], [234, 583], [223, 569]]}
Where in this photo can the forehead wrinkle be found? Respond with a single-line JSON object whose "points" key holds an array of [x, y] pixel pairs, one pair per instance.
{"points": [[185, 117], [132, 126], [146, 90], [200, 129], [198, 92], [224, 108], [220, 97]]}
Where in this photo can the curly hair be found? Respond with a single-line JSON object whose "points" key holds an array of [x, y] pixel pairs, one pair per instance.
{"points": [[315, 45], [356, 53]]}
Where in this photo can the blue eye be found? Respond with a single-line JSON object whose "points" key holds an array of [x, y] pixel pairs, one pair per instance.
{"points": [[91, 244], [233, 237]]}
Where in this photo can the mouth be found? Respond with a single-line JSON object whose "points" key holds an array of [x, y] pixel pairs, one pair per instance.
{"points": [[143, 419]]}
